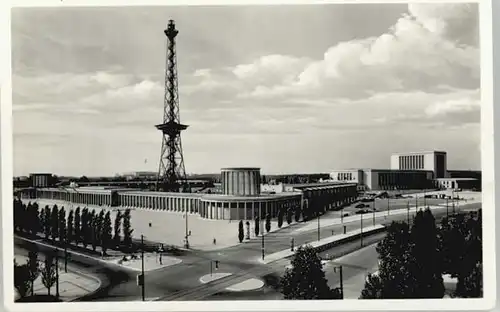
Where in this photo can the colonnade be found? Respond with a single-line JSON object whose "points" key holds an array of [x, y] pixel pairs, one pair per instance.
{"points": [[160, 202], [89, 198], [246, 209]]}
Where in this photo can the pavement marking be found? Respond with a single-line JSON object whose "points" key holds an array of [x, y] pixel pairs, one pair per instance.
{"points": [[213, 277], [248, 285]]}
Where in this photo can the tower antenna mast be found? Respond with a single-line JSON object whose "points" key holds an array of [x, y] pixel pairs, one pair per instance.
{"points": [[171, 171]]}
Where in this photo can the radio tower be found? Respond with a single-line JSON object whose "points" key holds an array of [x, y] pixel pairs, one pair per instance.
{"points": [[171, 172]]}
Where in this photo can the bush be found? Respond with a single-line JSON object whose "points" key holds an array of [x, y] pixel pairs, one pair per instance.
{"points": [[241, 233]]}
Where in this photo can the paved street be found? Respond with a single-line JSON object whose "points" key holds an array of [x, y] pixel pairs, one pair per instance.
{"points": [[181, 282]]}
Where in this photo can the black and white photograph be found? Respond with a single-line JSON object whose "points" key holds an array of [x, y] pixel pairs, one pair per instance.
{"points": [[215, 153]]}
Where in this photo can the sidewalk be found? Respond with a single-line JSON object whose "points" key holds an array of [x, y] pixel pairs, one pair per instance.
{"points": [[328, 240], [329, 221], [72, 285], [151, 259]]}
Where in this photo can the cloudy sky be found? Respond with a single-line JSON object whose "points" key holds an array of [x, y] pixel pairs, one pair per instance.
{"points": [[288, 88]]}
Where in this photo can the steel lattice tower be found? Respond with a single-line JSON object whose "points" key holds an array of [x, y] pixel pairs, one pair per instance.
{"points": [[171, 171]]}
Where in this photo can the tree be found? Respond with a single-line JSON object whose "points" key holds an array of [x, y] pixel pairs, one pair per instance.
{"points": [[22, 281], [248, 229], [268, 223], [77, 227], [306, 278], [289, 216], [256, 227], [106, 233], [373, 287], [127, 229], [297, 214], [426, 257], [33, 269], [62, 225], [47, 222], [470, 285], [280, 218], [395, 276], [54, 222], [49, 272], [241, 231], [70, 235], [93, 229], [470, 274], [99, 226], [116, 229], [85, 229]]}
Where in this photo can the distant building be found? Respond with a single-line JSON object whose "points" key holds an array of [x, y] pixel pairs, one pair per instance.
{"points": [[41, 179], [145, 175], [240, 197], [434, 161], [459, 183], [384, 179]]}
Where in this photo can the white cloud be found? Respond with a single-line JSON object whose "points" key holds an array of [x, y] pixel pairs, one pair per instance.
{"points": [[422, 51]]}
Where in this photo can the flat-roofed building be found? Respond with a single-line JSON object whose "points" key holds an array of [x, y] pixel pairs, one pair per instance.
{"points": [[384, 179], [434, 161]]}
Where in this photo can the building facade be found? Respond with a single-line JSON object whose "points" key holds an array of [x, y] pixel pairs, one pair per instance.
{"points": [[240, 181], [41, 179], [384, 179], [459, 183], [247, 205], [435, 161]]}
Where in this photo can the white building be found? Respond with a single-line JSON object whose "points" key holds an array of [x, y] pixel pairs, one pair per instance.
{"points": [[434, 161], [384, 179]]}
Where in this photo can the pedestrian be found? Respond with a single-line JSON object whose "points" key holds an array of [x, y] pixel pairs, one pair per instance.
{"points": [[215, 241]]}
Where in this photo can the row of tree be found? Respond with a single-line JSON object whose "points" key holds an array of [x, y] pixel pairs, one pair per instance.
{"points": [[282, 213], [412, 260], [26, 274], [80, 226]]}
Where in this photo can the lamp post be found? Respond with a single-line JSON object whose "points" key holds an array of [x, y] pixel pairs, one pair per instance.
{"points": [[373, 213], [453, 200], [318, 226], [66, 257], [446, 207], [408, 212], [186, 244], [361, 215], [341, 280], [388, 205], [143, 278], [262, 235], [57, 273]]}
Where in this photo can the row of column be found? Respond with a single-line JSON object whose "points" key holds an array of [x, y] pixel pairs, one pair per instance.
{"points": [[411, 162], [241, 182], [330, 198], [245, 210], [83, 198], [180, 204]]}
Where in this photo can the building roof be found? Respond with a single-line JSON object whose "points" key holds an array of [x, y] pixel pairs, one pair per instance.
{"points": [[456, 179], [240, 168], [278, 196], [318, 185], [421, 152]]}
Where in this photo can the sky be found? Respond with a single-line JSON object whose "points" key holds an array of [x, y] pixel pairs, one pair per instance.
{"points": [[309, 88]]}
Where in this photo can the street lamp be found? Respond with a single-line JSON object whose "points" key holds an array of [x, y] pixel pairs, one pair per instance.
{"points": [[361, 215], [57, 273], [408, 211], [373, 214], [186, 243], [318, 226], [341, 280], [262, 235]]}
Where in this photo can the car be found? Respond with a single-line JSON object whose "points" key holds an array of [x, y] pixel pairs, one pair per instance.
{"points": [[360, 206]]}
